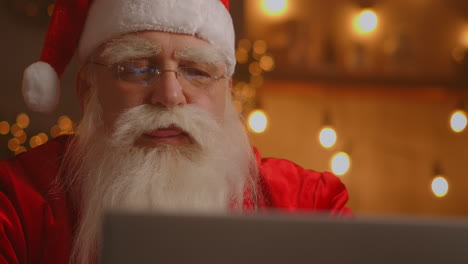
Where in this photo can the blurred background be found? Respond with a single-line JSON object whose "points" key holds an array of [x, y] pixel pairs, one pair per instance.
{"points": [[375, 91]]}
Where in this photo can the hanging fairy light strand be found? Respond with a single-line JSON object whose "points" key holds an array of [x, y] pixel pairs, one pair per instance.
{"points": [[254, 60]]}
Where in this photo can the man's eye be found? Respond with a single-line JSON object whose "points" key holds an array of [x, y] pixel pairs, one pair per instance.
{"points": [[136, 71], [194, 72]]}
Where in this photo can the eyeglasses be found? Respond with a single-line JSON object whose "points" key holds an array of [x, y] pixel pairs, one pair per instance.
{"points": [[144, 73]]}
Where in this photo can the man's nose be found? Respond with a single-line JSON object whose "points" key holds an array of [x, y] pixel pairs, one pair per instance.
{"points": [[168, 91]]}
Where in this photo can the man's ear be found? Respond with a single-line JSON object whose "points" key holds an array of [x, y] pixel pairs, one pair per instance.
{"points": [[83, 87]]}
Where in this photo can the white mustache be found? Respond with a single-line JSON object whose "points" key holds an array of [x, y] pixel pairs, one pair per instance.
{"points": [[143, 119]]}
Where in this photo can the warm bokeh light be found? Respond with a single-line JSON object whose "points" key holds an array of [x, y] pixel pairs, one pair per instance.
{"points": [[340, 163], [327, 137], [13, 144], [20, 150], [274, 7], [35, 141], [458, 121], [260, 47], [245, 44], [440, 186], [258, 121], [255, 69], [55, 131], [65, 124], [365, 22], [267, 63], [22, 120], [22, 138], [242, 56], [4, 127], [44, 138], [16, 130]]}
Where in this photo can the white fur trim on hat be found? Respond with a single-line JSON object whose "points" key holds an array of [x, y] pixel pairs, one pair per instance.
{"points": [[41, 87], [206, 19]]}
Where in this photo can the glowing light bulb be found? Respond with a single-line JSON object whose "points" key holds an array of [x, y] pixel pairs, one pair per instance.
{"points": [[65, 123], [13, 144], [35, 141], [365, 22], [258, 121], [458, 121], [4, 128], [267, 63], [440, 186], [274, 7], [340, 163], [327, 137], [22, 120]]}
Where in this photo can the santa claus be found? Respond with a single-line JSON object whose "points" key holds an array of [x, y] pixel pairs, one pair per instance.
{"points": [[159, 131]]}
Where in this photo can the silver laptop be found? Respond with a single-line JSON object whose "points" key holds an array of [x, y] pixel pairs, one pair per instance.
{"points": [[275, 239]]}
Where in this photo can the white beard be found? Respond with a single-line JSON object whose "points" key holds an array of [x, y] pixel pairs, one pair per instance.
{"points": [[209, 176]]}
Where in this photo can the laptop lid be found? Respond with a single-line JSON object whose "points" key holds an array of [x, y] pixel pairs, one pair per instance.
{"points": [[275, 239]]}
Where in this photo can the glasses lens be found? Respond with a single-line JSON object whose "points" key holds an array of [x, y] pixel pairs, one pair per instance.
{"points": [[197, 77], [136, 71]]}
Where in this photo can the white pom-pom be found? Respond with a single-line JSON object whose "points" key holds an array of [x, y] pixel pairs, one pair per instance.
{"points": [[41, 87]]}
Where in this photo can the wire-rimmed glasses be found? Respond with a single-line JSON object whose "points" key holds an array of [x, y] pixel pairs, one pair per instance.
{"points": [[144, 73]]}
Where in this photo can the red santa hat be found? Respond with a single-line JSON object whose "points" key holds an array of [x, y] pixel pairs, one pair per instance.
{"points": [[83, 25]]}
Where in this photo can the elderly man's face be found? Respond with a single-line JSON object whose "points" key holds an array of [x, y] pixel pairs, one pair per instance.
{"points": [[129, 80]]}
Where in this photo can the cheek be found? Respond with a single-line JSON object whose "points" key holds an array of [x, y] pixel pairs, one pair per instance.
{"points": [[116, 97], [213, 101]]}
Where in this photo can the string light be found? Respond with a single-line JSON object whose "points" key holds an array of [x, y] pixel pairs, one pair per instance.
{"points": [[55, 131], [267, 63], [340, 163], [440, 186], [22, 120], [13, 144], [20, 150], [458, 121], [4, 127], [258, 121], [35, 141], [274, 7], [22, 138], [65, 123], [245, 44], [44, 138], [327, 137], [16, 130], [260, 47], [64, 126], [255, 69], [242, 56], [365, 22]]}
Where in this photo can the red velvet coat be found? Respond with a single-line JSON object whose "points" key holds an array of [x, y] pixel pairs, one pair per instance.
{"points": [[36, 224]]}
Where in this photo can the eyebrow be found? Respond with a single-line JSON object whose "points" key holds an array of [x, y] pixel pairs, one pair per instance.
{"points": [[207, 55], [129, 47]]}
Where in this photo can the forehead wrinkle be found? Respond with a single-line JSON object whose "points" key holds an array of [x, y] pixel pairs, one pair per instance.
{"points": [[200, 54], [129, 47]]}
